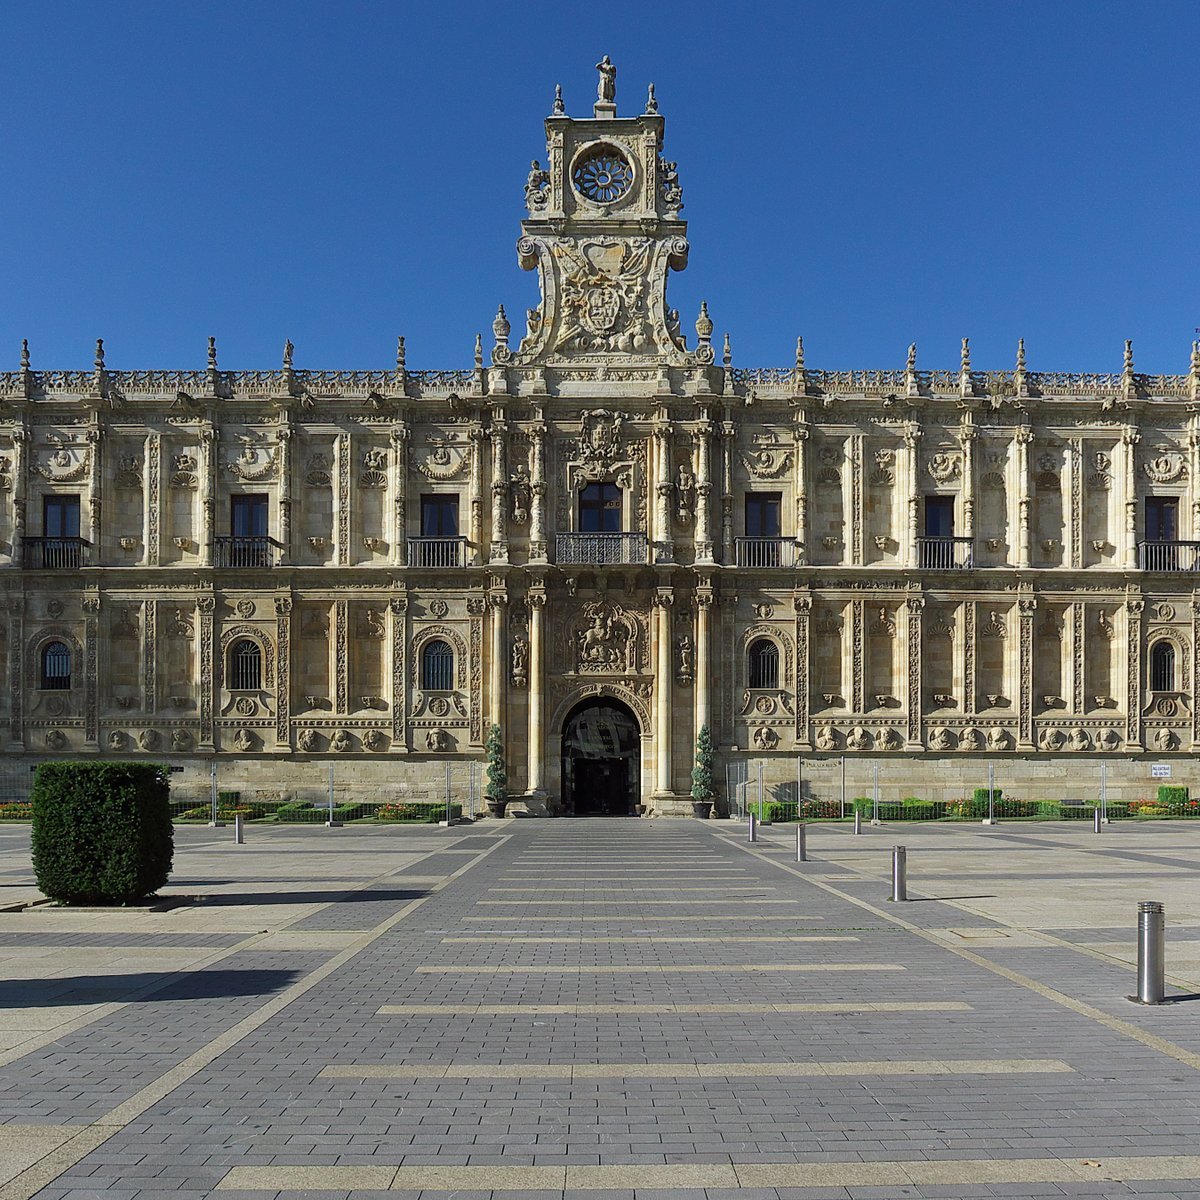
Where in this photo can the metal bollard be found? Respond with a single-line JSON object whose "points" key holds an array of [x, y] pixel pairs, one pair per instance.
{"points": [[239, 831], [1096, 821], [1151, 953], [857, 821], [753, 828], [899, 873], [801, 843]]}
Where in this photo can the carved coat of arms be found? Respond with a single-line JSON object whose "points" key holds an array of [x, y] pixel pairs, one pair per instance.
{"points": [[599, 435]]}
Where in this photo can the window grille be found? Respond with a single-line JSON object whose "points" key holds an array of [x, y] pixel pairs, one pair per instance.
{"points": [[1162, 667], [437, 667], [763, 659], [245, 666], [56, 667]]}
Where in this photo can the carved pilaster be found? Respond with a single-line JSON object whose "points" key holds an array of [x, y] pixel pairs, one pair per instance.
{"points": [[703, 528], [206, 641], [476, 607], [1195, 672], [1134, 615], [341, 664], [970, 678], [802, 604], [152, 500], [968, 436], [497, 605], [1024, 438], [1078, 619], [149, 657], [499, 531], [858, 666], [283, 672], [912, 643], [1075, 466], [854, 469], [16, 668], [208, 494], [536, 600], [1027, 606], [728, 437], [341, 504], [20, 439], [398, 609], [664, 599], [537, 493], [800, 436], [94, 533], [1129, 440], [399, 530], [912, 443], [475, 497], [284, 436]]}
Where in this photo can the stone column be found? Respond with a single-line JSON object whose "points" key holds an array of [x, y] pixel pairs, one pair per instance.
{"points": [[91, 674], [20, 439], [664, 549], [703, 528], [969, 437], [341, 659], [970, 681], [802, 603], [537, 492], [728, 437], [1027, 606], [208, 495], [152, 505], [912, 645], [499, 531], [858, 647], [475, 499], [1193, 443], [398, 608], [205, 639], [341, 500], [1024, 439], [94, 532], [285, 493], [537, 732], [1075, 465], [800, 437], [149, 656], [664, 598], [16, 667], [1129, 441], [854, 469], [496, 602], [912, 441], [399, 531], [704, 601], [283, 672], [1135, 608], [1195, 671]]}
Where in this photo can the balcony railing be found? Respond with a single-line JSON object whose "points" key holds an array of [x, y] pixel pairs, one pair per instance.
{"points": [[600, 548], [945, 553], [1169, 556], [437, 551], [56, 553], [765, 552], [238, 552]]}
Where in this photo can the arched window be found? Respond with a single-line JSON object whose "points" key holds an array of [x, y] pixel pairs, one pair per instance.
{"points": [[56, 667], [1162, 667], [763, 662], [245, 666], [437, 667]]}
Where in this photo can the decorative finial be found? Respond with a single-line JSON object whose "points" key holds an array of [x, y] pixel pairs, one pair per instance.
{"points": [[559, 108], [400, 354], [1196, 358], [727, 357], [501, 326], [1021, 355], [800, 355], [99, 363], [1128, 356], [911, 364], [651, 101], [288, 351], [606, 89], [212, 353], [965, 365], [478, 351], [25, 354], [704, 325]]}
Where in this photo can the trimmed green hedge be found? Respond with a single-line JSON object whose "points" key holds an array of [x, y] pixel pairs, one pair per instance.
{"points": [[1168, 794], [101, 831]]}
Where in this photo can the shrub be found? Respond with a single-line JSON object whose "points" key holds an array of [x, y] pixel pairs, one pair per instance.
{"points": [[422, 812], [781, 810], [703, 787], [980, 795], [101, 831], [1172, 795], [497, 773]]}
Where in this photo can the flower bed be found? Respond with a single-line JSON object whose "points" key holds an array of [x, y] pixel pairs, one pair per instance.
{"points": [[417, 812], [16, 810]]}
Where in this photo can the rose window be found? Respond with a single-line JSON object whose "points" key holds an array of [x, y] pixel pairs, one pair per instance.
{"points": [[603, 175]]}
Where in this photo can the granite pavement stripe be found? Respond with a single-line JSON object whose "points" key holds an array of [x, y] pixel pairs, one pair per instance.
{"points": [[655, 939], [830, 1006], [656, 968]]}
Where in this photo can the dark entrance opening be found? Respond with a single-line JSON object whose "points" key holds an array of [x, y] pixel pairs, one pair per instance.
{"points": [[601, 760]]}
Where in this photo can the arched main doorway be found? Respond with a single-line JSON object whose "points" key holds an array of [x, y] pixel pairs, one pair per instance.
{"points": [[601, 760]]}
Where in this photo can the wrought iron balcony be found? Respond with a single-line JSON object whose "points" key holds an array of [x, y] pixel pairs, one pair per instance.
{"points": [[437, 551], [765, 552], [1169, 556], [239, 552], [598, 549], [945, 553], [56, 553]]}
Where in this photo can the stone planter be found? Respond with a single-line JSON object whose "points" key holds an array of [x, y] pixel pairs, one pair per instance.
{"points": [[496, 807], [702, 809]]}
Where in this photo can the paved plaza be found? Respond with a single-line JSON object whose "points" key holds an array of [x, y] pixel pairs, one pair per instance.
{"points": [[609, 1008]]}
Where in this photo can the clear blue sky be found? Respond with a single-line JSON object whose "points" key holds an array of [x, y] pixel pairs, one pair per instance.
{"points": [[866, 174]]}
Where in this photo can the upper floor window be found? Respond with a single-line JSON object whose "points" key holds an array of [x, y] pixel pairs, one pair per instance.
{"points": [[1162, 519], [56, 667], [245, 666], [762, 514], [439, 515], [1162, 667], [939, 516], [600, 508], [437, 667], [248, 516], [60, 516], [762, 660]]}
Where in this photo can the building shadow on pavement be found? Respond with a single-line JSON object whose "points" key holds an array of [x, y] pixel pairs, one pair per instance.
{"points": [[140, 987]]}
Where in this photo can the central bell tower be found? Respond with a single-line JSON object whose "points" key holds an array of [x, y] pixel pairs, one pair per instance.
{"points": [[603, 231]]}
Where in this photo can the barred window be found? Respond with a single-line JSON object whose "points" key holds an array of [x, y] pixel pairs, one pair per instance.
{"points": [[437, 667], [245, 666], [1162, 667], [763, 662], [56, 667]]}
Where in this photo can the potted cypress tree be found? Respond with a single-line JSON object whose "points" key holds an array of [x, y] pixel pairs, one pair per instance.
{"points": [[496, 792], [703, 789]]}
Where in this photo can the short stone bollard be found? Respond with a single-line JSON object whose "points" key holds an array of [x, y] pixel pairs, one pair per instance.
{"points": [[753, 828], [899, 873], [801, 843], [1096, 821], [1151, 962], [239, 829], [857, 821]]}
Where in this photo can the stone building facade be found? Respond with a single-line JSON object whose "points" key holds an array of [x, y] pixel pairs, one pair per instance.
{"points": [[602, 537]]}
